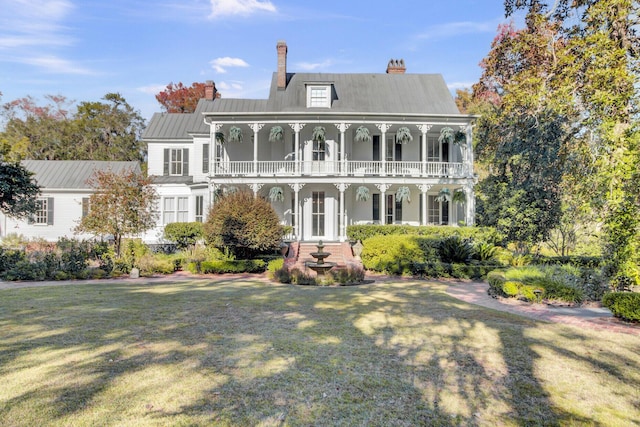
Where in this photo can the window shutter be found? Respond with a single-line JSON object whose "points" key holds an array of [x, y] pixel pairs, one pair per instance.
{"points": [[165, 172], [50, 211], [185, 162], [85, 206], [205, 158]]}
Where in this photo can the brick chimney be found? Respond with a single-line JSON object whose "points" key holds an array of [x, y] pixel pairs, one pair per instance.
{"points": [[210, 91], [396, 66], [282, 64]]}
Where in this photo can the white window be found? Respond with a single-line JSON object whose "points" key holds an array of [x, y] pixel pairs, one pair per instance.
{"points": [[199, 208], [41, 215], [169, 210], [176, 162], [433, 149], [175, 209], [183, 209], [318, 96]]}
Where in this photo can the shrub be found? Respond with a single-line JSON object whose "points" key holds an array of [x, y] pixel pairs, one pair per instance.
{"points": [[483, 234], [347, 276], [9, 258], [74, 254], [275, 265], [394, 254], [243, 224], [455, 249], [282, 275], [25, 270], [184, 234], [484, 251], [300, 278], [230, 266], [625, 305]]}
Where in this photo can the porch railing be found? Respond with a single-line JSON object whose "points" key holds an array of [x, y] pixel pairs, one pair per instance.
{"points": [[329, 168]]}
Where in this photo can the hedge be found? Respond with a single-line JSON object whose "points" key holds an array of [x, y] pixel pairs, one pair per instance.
{"points": [[229, 266], [500, 283], [484, 234], [625, 305]]}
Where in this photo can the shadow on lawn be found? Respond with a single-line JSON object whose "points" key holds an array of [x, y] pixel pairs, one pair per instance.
{"points": [[393, 354]]}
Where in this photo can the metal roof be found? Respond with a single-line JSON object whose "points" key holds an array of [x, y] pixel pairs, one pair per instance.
{"points": [[375, 93], [72, 174]]}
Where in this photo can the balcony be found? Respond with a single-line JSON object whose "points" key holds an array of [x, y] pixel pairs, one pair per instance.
{"points": [[284, 168]]}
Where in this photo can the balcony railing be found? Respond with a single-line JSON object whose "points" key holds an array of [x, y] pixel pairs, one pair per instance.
{"points": [[349, 168]]}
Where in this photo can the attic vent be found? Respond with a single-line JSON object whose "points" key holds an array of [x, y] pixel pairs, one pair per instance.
{"points": [[396, 66]]}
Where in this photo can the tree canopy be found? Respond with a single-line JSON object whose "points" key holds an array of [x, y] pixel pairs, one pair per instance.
{"points": [[178, 98], [106, 130], [122, 205], [559, 102], [18, 191]]}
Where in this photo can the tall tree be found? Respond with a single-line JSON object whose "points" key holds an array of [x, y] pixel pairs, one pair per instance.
{"points": [[602, 55], [121, 206], [107, 130], [18, 191], [178, 98]]}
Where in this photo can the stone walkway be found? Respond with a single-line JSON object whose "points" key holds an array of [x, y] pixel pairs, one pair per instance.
{"points": [[587, 317]]}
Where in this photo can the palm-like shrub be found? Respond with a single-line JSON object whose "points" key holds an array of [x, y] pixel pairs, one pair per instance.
{"points": [[235, 134], [444, 195], [455, 249], [276, 134], [362, 135], [403, 194], [403, 135], [459, 197], [276, 194], [448, 135], [362, 194], [319, 133]]}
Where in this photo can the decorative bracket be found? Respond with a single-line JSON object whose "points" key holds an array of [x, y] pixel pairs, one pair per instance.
{"points": [[383, 187], [342, 127], [424, 128], [341, 186], [297, 127], [383, 127], [296, 186], [424, 187]]}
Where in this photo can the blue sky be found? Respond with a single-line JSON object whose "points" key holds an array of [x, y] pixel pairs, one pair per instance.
{"points": [[83, 49]]}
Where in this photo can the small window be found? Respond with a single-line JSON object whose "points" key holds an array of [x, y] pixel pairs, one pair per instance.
{"points": [[199, 208], [168, 210], [183, 209], [318, 96], [44, 211]]}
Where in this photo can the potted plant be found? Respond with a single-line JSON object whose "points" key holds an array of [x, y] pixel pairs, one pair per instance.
{"points": [[403, 135], [452, 137], [276, 194], [220, 138], [235, 134], [318, 133], [444, 195], [276, 134], [403, 194], [459, 197], [362, 194], [362, 135]]}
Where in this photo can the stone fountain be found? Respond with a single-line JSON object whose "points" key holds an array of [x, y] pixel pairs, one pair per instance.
{"points": [[320, 266]]}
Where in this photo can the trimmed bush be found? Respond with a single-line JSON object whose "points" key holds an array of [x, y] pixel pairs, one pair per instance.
{"points": [[245, 225], [394, 254], [184, 234], [624, 305], [230, 266], [455, 249], [483, 234], [275, 265]]}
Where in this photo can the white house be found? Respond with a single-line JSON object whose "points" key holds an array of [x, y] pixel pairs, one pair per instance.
{"points": [[326, 183], [64, 197]]}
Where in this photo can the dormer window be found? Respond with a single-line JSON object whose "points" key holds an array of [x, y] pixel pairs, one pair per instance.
{"points": [[318, 96]]}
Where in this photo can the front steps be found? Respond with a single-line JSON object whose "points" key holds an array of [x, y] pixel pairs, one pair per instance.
{"points": [[300, 254]]}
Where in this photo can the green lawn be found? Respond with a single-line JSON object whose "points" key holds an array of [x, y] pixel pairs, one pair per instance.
{"points": [[242, 352]]}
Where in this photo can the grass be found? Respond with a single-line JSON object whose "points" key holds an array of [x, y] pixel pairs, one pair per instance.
{"points": [[239, 352]]}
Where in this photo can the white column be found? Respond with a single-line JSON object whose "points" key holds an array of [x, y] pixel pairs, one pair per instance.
{"points": [[255, 127], [383, 201], [470, 204], [296, 188], [342, 230], [342, 127], [424, 188], [214, 128], [424, 128], [212, 193], [468, 149], [297, 127], [383, 129]]}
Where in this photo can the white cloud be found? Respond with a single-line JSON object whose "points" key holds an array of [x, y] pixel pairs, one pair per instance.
{"points": [[151, 89], [55, 65], [239, 7], [452, 29], [221, 64], [311, 66], [33, 23]]}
